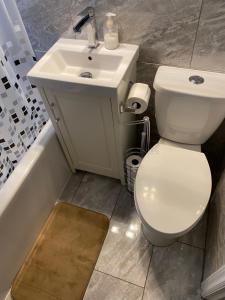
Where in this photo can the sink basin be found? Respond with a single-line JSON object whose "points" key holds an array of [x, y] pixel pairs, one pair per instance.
{"points": [[70, 61]]}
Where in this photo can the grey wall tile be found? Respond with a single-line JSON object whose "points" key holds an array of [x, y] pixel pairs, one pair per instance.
{"points": [[209, 51], [164, 29], [146, 74], [39, 54], [45, 20], [214, 149], [105, 287]]}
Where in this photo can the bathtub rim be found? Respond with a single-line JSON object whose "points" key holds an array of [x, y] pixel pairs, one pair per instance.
{"points": [[24, 167]]}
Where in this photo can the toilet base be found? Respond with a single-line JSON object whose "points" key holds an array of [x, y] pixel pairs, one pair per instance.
{"points": [[157, 238]]}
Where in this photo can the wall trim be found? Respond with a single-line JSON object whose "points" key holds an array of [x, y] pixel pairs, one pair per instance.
{"points": [[213, 287]]}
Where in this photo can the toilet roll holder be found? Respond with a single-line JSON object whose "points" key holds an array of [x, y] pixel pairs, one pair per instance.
{"points": [[135, 105], [130, 170], [131, 109], [124, 108]]}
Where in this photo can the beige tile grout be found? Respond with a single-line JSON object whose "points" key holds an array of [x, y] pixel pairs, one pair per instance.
{"points": [[116, 202], [187, 244], [96, 270], [196, 34], [78, 187], [148, 271], [119, 279]]}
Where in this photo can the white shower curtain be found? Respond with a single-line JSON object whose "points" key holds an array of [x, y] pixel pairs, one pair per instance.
{"points": [[22, 112]]}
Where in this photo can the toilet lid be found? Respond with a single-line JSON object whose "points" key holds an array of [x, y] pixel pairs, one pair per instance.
{"points": [[172, 188]]}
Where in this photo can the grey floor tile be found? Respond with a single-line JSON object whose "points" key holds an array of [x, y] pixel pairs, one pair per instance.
{"points": [[105, 287], [197, 236], [72, 186], [175, 273], [126, 253], [98, 193]]}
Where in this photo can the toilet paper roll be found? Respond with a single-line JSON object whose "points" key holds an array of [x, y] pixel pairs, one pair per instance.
{"points": [[132, 164], [139, 97], [134, 161]]}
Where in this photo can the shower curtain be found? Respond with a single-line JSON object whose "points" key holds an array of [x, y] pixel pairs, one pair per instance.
{"points": [[22, 112]]}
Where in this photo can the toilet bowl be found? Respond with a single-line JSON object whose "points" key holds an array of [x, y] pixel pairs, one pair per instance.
{"points": [[173, 183], [172, 190]]}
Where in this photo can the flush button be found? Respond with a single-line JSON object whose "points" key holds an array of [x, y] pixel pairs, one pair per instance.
{"points": [[195, 79]]}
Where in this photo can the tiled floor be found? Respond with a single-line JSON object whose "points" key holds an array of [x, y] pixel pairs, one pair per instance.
{"points": [[129, 267]]}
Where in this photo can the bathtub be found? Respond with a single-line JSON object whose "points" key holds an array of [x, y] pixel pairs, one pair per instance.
{"points": [[26, 200]]}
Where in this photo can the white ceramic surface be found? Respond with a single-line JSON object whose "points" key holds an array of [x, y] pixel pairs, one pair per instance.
{"points": [[187, 112], [26, 200], [68, 58], [175, 184]]}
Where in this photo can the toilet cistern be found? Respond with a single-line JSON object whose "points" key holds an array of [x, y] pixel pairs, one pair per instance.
{"points": [[88, 19]]}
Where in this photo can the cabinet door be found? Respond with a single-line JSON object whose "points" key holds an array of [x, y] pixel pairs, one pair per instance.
{"points": [[88, 121]]}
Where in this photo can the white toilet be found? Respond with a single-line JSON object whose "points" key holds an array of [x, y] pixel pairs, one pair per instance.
{"points": [[173, 183]]}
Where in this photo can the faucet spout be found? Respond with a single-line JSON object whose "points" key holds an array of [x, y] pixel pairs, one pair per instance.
{"points": [[88, 20]]}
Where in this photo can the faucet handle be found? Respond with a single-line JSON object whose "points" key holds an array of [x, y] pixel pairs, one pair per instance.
{"points": [[88, 11], [85, 15]]}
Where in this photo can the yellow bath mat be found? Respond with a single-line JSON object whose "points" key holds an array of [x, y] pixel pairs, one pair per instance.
{"points": [[63, 258]]}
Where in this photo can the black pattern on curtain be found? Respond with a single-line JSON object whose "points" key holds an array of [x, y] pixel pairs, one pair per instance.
{"points": [[22, 112]]}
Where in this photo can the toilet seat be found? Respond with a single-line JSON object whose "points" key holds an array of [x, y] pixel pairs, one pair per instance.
{"points": [[172, 188]]}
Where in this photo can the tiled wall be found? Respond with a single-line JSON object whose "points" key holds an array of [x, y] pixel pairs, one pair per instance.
{"points": [[172, 32]]}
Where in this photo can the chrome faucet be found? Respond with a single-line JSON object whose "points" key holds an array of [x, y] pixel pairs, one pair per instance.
{"points": [[88, 20]]}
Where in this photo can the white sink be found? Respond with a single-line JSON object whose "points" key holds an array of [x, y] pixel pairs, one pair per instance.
{"points": [[68, 59]]}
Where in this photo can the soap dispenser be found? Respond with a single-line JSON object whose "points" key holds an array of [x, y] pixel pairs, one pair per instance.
{"points": [[111, 32]]}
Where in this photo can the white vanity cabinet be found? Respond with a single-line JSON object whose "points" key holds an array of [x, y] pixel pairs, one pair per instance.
{"points": [[94, 134], [86, 112], [85, 122]]}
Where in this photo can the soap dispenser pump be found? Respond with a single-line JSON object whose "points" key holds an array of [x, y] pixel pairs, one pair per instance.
{"points": [[111, 32]]}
